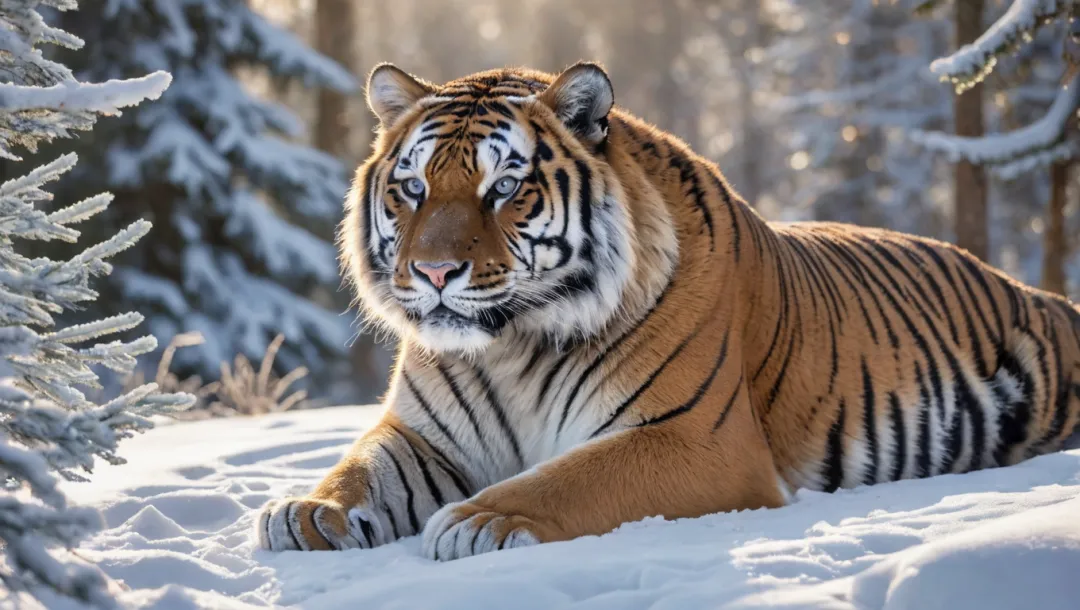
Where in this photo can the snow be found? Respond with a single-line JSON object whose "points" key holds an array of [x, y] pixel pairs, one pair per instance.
{"points": [[1016, 150], [179, 516], [106, 98], [1015, 26]]}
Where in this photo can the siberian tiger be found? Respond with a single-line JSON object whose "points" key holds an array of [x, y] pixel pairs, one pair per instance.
{"points": [[595, 328]]}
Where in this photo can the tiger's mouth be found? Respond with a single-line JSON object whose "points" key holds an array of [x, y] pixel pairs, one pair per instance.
{"points": [[443, 329]]}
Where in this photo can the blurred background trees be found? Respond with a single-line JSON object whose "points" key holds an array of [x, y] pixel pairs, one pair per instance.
{"points": [[814, 109]]}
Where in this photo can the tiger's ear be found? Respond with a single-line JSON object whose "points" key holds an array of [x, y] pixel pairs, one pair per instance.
{"points": [[582, 97], [391, 92]]}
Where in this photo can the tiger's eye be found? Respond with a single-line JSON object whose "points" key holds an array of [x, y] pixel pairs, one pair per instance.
{"points": [[414, 187], [506, 186]]}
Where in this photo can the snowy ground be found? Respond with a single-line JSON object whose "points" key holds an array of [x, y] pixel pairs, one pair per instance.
{"points": [[179, 517]]}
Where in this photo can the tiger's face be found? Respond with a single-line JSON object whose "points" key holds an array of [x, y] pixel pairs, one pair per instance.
{"points": [[488, 205]]}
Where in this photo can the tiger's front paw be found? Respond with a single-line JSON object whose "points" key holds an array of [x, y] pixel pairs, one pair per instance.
{"points": [[310, 524], [463, 529]]}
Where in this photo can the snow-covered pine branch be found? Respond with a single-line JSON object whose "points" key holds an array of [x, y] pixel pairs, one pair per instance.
{"points": [[1010, 154], [972, 63], [47, 424], [40, 99], [105, 98]]}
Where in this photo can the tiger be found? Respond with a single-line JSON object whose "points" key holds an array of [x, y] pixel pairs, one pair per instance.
{"points": [[595, 328]]}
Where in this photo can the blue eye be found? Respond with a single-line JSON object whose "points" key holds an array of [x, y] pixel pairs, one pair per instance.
{"points": [[505, 186], [413, 187]]}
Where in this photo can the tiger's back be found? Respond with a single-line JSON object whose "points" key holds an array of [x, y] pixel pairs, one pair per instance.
{"points": [[923, 361]]}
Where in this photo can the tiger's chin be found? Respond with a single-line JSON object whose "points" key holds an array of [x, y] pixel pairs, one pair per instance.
{"points": [[453, 334]]}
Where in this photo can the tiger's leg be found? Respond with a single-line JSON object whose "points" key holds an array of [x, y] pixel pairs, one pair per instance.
{"points": [[685, 466], [385, 488]]}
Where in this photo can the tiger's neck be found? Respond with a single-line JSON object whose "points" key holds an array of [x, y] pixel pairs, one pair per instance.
{"points": [[729, 256]]}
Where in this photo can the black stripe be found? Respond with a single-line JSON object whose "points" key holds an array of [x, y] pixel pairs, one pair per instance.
{"points": [[585, 202], [433, 489], [464, 404], [727, 406], [899, 437], [1014, 417], [549, 378], [266, 528], [781, 323], [894, 262], [698, 394], [562, 179], [722, 190], [288, 526], [954, 440], [848, 251], [413, 521], [857, 268], [980, 278], [538, 352], [869, 426], [319, 531], [929, 278], [925, 414], [393, 521], [981, 366], [774, 391], [1061, 414], [855, 291], [607, 350], [425, 406], [970, 403], [368, 531], [834, 452], [644, 386], [500, 414]]}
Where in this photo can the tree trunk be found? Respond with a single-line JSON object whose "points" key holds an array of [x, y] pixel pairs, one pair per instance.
{"points": [[970, 186], [1055, 248], [334, 34]]}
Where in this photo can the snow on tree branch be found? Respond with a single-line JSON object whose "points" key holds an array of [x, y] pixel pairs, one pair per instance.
{"points": [[104, 98], [1040, 143], [972, 63]]}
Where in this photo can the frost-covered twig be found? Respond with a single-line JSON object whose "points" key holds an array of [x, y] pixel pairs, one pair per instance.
{"points": [[106, 98], [972, 63], [1038, 143]]}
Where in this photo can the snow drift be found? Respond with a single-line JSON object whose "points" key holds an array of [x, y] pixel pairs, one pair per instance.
{"points": [[179, 518]]}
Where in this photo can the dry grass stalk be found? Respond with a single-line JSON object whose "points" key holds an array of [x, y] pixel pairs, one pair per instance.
{"points": [[241, 390], [246, 391]]}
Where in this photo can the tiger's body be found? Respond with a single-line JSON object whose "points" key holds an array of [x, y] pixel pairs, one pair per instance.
{"points": [[595, 328]]}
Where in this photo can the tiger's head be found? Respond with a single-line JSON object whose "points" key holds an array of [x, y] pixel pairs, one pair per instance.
{"points": [[487, 205]]}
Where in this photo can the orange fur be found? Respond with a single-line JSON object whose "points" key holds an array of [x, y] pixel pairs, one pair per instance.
{"points": [[742, 358]]}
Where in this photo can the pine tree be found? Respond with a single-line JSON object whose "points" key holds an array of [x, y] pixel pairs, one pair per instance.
{"points": [[244, 209], [47, 424]]}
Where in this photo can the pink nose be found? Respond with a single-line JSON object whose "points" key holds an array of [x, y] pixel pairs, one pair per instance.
{"points": [[439, 273]]}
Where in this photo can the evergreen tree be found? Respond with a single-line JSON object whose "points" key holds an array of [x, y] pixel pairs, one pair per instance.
{"points": [[47, 424], [243, 209]]}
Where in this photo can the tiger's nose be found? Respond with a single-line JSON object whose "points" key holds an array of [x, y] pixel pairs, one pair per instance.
{"points": [[439, 273]]}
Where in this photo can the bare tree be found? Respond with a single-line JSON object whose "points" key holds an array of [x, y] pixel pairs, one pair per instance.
{"points": [[335, 22], [970, 187], [1055, 243]]}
